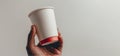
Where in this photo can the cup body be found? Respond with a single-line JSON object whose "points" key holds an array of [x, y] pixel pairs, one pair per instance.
{"points": [[45, 22]]}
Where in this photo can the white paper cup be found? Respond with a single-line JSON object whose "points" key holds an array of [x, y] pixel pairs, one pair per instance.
{"points": [[45, 22]]}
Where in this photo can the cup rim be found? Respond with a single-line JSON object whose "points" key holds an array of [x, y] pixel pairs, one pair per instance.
{"points": [[36, 10]]}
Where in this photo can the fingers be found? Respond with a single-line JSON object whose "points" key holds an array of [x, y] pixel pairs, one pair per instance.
{"points": [[31, 40], [52, 50], [60, 38]]}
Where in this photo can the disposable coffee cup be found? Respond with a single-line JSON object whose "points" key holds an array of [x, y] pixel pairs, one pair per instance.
{"points": [[44, 19]]}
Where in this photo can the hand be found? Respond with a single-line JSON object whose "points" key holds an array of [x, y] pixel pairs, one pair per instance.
{"points": [[54, 49]]}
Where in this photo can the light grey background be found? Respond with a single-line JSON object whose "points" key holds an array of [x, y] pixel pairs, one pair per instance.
{"points": [[89, 27]]}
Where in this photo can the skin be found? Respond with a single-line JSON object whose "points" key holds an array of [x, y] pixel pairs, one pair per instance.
{"points": [[54, 49]]}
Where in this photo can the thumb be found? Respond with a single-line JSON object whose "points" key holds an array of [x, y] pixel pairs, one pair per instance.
{"points": [[31, 39]]}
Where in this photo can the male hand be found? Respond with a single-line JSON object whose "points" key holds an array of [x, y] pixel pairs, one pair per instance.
{"points": [[54, 49]]}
